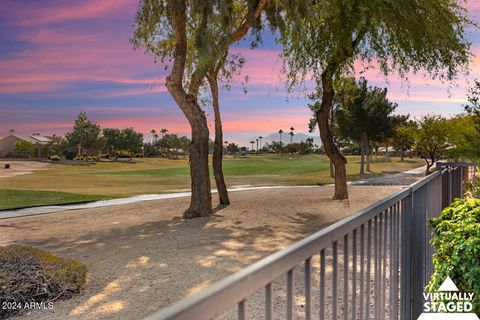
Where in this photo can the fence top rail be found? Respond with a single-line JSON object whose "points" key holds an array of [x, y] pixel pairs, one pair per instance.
{"points": [[457, 164], [420, 183], [233, 289]]}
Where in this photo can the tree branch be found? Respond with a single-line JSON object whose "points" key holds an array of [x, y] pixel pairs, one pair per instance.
{"points": [[222, 46], [177, 9]]}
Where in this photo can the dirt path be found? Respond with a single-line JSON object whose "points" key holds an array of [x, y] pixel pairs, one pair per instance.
{"points": [[143, 257]]}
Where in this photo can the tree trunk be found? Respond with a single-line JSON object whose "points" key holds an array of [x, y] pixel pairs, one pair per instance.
{"points": [[402, 153], [369, 156], [386, 153], [427, 171], [218, 143], [362, 155], [201, 199], [362, 160], [339, 161], [332, 170]]}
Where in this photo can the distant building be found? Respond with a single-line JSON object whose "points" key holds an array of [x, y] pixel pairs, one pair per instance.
{"points": [[7, 144]]}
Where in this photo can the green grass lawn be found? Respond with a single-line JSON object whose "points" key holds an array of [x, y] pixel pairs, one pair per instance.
{"points": [[15, 198], [103, 180]]}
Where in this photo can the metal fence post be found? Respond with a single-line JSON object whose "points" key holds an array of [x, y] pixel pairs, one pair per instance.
{"points": [[450, 189], [445, 189], [418, 249], [406, 259]]}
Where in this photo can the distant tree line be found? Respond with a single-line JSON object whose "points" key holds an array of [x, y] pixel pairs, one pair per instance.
{"points": [[87, 140], [168, 146]]}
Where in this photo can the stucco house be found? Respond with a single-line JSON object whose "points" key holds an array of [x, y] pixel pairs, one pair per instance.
{"points": [[7, 144]]}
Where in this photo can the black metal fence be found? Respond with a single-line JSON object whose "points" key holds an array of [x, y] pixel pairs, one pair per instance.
{"points": [[373, 264]]}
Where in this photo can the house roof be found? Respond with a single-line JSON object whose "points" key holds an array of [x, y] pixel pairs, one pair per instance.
{"points": [[33, 138], [41, 138]]}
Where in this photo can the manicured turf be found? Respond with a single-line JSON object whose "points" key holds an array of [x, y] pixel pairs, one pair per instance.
{"points": [[244, 166], [24, 198], [109, 179]]}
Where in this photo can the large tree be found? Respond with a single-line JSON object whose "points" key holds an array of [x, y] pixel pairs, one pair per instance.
{"points": [[473, 109], [323, 38], [363, 114], [85, 133], [127, 139], [464, 136], [192, 37], [404, 136], [431, 140]]}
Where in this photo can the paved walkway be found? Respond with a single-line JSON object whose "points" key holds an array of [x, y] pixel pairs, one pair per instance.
{"points": [[397, 179]]}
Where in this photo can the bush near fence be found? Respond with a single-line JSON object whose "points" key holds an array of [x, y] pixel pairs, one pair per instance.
{"points": [[456, 241]]}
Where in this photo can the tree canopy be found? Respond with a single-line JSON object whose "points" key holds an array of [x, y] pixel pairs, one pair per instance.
{"points": [[432, 139], [85, 133], [126, 139], [210, 28], [402, 36], [365, 113]]}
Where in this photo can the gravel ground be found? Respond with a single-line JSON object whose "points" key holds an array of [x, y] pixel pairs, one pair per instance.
{"points": [[143, 256], [21, 167]]}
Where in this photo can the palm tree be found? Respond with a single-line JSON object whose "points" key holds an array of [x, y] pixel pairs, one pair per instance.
{"points": [[260, 138], [280, 133], [154, 133], [257, 144], [291, 139], [163, 132], [252, 142], [11, 131]]}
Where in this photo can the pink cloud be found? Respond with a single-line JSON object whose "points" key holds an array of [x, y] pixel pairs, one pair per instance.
{"points": [[62, 53], [72, 10]]}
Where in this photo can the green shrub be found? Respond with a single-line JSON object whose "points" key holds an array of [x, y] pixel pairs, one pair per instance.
{"points": [[55, 158], [30, 275], [456, 240], [24, 149], [124, 154]]}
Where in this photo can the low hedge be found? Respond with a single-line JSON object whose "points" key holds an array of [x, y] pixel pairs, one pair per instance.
{"points": [[456, 240], [29, 275]]}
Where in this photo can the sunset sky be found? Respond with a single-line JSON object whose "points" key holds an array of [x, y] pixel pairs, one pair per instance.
{"points": [[58, 58]]}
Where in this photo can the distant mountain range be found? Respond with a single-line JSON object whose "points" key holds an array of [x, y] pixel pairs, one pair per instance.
{"points": [[298, 137]]}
